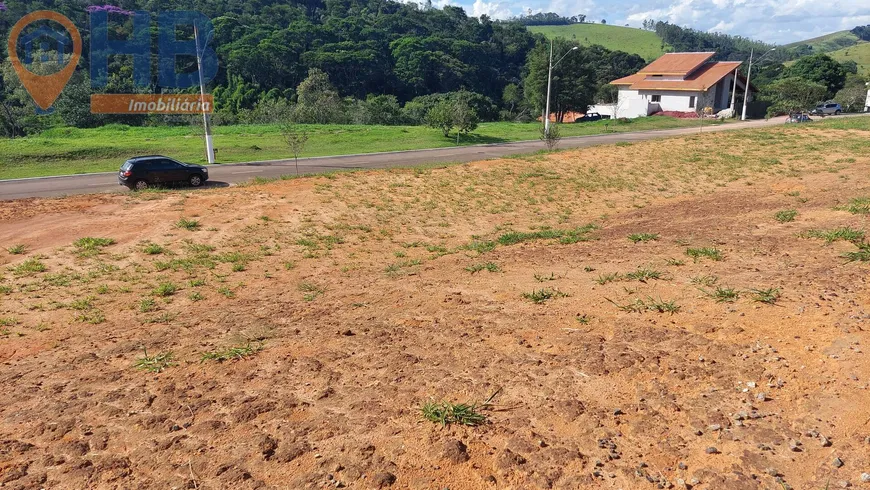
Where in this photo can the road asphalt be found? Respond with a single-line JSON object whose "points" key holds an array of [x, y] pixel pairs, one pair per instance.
{"points": [[228, 174]]}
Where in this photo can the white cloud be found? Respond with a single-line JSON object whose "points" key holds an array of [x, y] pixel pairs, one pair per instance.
{"points": [[772, 21], [495, 9]]}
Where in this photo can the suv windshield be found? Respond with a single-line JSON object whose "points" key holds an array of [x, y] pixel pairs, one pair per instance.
{"points": [[127, 165]]}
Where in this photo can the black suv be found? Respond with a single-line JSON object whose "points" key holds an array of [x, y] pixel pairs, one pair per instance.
{"points": [[140, 172]]}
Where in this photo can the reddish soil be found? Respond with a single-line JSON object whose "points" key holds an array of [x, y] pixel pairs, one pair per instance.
{"points": [[356, 287]]}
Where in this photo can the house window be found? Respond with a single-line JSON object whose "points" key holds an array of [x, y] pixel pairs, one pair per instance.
{"points": [[656, 98], [692, 102]]}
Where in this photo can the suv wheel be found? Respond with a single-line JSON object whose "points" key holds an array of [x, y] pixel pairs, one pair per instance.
{"points": [[838, 112], [195, 180], [140, 185]]}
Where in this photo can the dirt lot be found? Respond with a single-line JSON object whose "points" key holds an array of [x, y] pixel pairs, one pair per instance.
{"points": [[354, 299]]}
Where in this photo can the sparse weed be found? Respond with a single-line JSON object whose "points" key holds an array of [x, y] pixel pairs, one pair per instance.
{"points": [[643, 237], [651, 304], [147, 304], [90, 246], [196, 296], [564, 236], [543, 295], [605, 278], [859, 205], [187, 224], [237, 352], [194, 283], [838, 234], [481, 247], [675, 262], [227, 292], [786, 215], [769, 295], [82, 304], [156, 363], [709, 252], [29, 267], [543, 278], [584, 319], [103, 289], [860, 255], [446, 413], [724, 295], [311, 291], [705, 280], [165, 289], [93, 316], [489, 267], [17, 249], [153, 249], [643, 275]]}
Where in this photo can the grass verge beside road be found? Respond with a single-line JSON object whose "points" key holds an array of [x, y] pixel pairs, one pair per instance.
{"points": [[66, 151]]}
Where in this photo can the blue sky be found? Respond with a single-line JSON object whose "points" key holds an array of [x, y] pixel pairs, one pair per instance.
{"points": [[773, 21]]}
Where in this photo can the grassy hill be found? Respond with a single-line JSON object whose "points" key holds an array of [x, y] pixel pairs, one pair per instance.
{"points": [[860, 53], [645, 43], [829, 42]]}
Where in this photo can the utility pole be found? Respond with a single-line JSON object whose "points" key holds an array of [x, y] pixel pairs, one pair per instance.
{"points": [[734, 92], [209, 144], [748, 74], [550, 83]]}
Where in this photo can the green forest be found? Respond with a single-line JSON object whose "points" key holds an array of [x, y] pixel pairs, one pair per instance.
{"points": [[379, 62]]}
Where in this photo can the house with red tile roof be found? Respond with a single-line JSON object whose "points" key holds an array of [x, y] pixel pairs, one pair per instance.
{"points": [[680, 82]]}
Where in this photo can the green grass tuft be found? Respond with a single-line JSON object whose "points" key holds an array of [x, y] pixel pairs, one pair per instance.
{"points": [[543, 295], [845, 233], [238, 352], [156, 363], [724, 295], [446, 413], [153, 249], [489, 267], [709, 252], [769, 295], [860, 255], [643, 237], [165, 289], [188, 224], [29, 267], [786, 215], [859, 205], [17, 249]]}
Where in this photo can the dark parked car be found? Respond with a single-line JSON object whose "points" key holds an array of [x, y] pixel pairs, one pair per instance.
{"points": [[798, 118], [590, 116], [141, 172]]}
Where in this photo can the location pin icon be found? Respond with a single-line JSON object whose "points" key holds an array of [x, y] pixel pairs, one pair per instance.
{"points": [[44, 88]]}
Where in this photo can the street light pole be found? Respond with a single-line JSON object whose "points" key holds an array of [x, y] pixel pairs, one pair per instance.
{"points": [[734, 93], [748, 74], [550, 83], [209, 144]]}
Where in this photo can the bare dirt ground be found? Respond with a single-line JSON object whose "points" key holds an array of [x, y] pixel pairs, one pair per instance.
{"points": [[372, 293]]}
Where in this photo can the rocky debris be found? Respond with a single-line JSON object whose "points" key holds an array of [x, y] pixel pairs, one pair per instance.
{"points": [[795, 445], [383, 479], [455, 451], [838, 463], [865, 477], [825, 442], [712, 450], [714, 427]]}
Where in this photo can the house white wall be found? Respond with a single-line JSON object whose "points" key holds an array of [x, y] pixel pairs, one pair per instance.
{"points": [[867, 103]]}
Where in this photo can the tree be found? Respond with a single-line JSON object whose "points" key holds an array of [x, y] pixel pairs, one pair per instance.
{"points": [[440, 116], [318, 101], [793, 94], [603, 21], [295, 139], [852, 98], [464, 116], [574, 83], [819, 68]]}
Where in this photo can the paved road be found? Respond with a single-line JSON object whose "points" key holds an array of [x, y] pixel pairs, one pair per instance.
{"points": [[222, 175]]}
